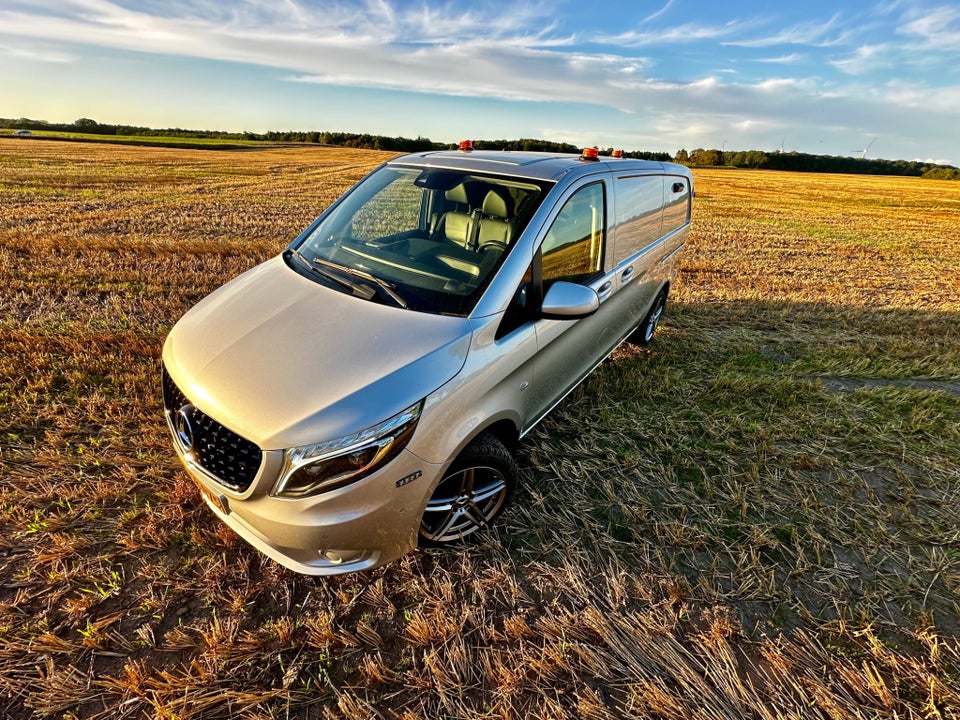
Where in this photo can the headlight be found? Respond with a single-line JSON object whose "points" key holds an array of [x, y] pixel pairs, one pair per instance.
{"points": [[328, 465]]}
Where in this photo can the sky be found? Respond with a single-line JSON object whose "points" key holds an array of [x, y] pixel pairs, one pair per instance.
{"points": [[814, 76]]}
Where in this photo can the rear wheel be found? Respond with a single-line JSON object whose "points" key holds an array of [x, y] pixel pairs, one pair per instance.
{"points": [[475, 490], [644, 333]]}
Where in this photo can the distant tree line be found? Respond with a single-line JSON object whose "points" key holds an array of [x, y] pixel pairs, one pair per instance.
{"points": [[942, 173], [803, 162], [92, 127], [523, 144], [700, 157], [339, 139], [355, 140]]}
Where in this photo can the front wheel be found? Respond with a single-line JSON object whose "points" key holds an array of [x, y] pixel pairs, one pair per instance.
{"points": [[644, 333], [471, 495]]}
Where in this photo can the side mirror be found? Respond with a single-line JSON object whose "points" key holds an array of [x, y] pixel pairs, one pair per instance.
{"points": [[569, 301]]}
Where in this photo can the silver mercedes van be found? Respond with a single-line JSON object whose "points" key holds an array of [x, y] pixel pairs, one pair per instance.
{"points": [[363, 392]]}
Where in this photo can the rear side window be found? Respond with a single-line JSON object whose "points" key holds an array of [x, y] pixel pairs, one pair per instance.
{"points": [[573, 247], [639, 214]]}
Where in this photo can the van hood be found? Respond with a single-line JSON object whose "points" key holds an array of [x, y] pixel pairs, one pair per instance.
{"points": [[284, 361]]}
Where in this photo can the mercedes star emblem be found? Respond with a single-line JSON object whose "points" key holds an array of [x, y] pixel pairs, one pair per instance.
{"points": [[183, 427]]}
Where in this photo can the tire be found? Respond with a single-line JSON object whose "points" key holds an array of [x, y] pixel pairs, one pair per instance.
{"points": [[645, 331], [474, 491]]}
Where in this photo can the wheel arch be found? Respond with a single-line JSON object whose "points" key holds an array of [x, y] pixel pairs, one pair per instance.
{"points": [[505, 431]]}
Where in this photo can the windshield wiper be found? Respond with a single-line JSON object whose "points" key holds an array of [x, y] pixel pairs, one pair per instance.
{"points": [[388, 288], [364, 291]]}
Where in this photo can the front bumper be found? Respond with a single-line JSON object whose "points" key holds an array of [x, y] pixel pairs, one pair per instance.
{"points": [[363, 525]]}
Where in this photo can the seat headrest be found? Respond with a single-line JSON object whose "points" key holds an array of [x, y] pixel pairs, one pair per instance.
{"points": [[457, 194], [495, 205]]}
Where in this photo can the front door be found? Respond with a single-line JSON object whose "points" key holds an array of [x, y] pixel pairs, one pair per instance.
{"points": [[573, 250]]}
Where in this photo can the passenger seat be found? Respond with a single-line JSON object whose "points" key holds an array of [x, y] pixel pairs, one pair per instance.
{"points": [[495, 225]]}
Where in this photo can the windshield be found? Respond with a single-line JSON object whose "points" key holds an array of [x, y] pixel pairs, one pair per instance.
{"points": [[428, 239]]}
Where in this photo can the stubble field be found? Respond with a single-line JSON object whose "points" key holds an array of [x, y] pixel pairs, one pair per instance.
{"points": [[756, 519]]}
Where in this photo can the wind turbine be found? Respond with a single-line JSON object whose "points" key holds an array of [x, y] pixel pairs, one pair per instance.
{"points": [[863, 152]]}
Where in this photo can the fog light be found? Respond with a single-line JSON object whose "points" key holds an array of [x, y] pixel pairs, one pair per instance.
{"points": [[333, 556]]}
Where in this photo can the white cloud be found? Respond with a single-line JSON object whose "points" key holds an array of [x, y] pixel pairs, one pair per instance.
{"points": [[819, 34], [866, 58], [708, 83], [937, 29], [782, 84], [170, 26], [36, 53], [659, 12], [784, 59], [483, 69], [751, 125], [442, 50], [920, 97], [664, 36]]}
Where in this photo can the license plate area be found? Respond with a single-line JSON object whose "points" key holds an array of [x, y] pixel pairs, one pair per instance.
{"points": [[219, 501]]}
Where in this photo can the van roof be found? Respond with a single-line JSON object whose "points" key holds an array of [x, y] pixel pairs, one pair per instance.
{"points": [[534, 165]]}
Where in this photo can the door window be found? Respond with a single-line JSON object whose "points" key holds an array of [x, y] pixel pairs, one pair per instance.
{"points": [[638, 211], [676, 212], [573, 247]]}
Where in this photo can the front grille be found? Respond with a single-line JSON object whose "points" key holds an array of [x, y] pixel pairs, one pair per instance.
{"points": [[231, 459]]}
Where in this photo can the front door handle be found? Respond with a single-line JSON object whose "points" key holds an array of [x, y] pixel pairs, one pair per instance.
{"points": [[603, 292]]}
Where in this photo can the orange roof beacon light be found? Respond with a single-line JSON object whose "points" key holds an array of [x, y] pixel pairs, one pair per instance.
{"points": [[590, 154], [466, 146], [617, 153]]}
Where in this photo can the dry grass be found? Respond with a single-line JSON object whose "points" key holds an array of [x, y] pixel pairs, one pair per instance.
{"points": [[756, 519]]}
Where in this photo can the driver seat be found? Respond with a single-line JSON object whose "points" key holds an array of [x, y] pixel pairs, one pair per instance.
{"points": [[458, 226]]}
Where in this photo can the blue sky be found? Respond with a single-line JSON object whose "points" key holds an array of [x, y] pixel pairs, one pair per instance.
{"points": [[818, 77]]}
